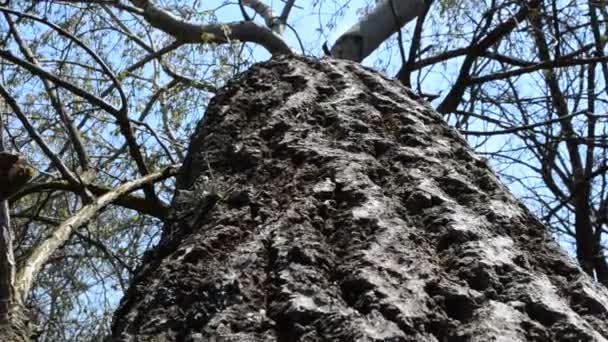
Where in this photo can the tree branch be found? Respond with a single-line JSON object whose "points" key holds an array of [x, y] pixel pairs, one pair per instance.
{"points": [[245, 31], [73, 132], [65, 172], [7, 257], [43, 252], [134, 202], [562, 62], [452, 99], [272, 21], [372, 30]]}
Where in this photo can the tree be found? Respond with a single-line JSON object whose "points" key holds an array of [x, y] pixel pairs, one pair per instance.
{"points": [[104, 127], [320, 201]]}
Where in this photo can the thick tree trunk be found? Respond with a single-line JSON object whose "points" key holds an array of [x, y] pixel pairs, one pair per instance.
{"points": [[339, 208]]}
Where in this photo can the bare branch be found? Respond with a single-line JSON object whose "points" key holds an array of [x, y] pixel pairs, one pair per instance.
{"points": [[266, 12], [245, 31], [365, 36], [406, 68], [516, 129], [134, 202], [73, 132], [43, 252], [58, 81], [77, 41], [453, 98], [545, 65], [65, 172], [286, 10]]}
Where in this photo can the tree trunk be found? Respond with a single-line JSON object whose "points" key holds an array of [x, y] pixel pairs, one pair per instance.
{"points": [[320, 201], [17, 327]]}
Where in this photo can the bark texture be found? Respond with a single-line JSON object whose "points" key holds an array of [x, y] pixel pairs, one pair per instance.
{"points": [[338, 207], [16, 327]]}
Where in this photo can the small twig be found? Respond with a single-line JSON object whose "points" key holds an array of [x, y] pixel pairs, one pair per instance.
{"points": [[286, 10], [209, 167], [399, 34], [297, 36], [243, 12], [155, 135]]}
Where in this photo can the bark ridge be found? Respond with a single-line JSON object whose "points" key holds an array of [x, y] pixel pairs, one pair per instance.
{"points": [[338, 207]]}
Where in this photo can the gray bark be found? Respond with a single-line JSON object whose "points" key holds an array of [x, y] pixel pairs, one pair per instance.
{"points": [[12, 322], [340, 208], [188, 32], [386, 18], [12, 318]]}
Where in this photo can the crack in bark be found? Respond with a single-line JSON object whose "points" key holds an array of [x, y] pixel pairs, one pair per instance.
{"points": [[371, 220]]}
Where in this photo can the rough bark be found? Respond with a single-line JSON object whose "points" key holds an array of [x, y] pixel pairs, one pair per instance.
{"points": [[17, 328], [340, 208], [13, 322]]}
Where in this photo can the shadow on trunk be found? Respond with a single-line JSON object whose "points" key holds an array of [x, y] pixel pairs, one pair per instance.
{"points": [[321, 201]]}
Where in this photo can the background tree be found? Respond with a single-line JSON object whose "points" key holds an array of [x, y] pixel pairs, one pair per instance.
{"points": [[103, 95]]}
